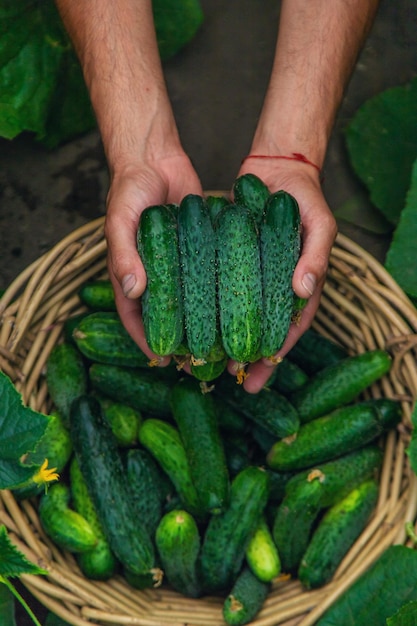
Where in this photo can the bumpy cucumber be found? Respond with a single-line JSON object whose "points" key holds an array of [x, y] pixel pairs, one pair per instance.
{"points": [[245, 599], [123, 420], [195, 415], [313, 352], [198, 274], [280, 244], [98, 295], [66, 377], [209, 371], [239, 283], [101, 465], [340, 383], [262, 553], [341, 431], [162, 304], [215, 204], [227, 535], [251, 192], [287, 377], [67, 528], [340, 526], [177, 539], [99, 563], [101, 337], [163, 441]]}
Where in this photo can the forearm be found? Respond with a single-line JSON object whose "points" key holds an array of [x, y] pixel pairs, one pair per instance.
{"points": [[118, 52], [317, 48]]}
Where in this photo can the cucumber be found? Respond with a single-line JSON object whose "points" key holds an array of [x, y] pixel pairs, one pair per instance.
{"points": [[67, 528], [215, 204], [101, 465], [147, 391], [209, 371], [227, 535], [287, 377], [339, 528], [123, 420], [98, 295], [313, 352], [340, 383], [164, 443], [162, 304], [177, 539], [195, 415], [101, 337], [280, 244], [262, 553], [99, 563], [70, 324], [251, 192], [341, 431], [66, 377], [245, 599], [239, 283], [198, 275], [230, 419]]}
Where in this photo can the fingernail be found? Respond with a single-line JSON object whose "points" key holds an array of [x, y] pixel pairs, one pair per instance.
{"points": [[309, 283], [128, 283]]}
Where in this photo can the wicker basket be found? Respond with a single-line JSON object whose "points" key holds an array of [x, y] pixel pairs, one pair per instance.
{"points": [[362, 308]]}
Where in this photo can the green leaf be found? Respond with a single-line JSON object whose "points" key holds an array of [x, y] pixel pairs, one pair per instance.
{"points": [[7, 612], [20, 430], [12, 562], [382, 145], [401, 258], [406, 616], [176, 23], [359, 211], [412, 446]]}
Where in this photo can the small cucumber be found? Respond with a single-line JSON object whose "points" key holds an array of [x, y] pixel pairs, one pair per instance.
{"points": [[227, 535], [67, 528], [251, 192], [66, 377], [123, 420], [98, 295], [239, 283], [101, 465], [215, 204], [287, 377], [208, 371], [198, 275], [195, 415], [162, 304], [262, 553], [99, 563], [177, 539], [101, 337], [341, 431], [280, 244], [313, 352], [164, 443], [245, 599], [340, 383], [336, 532]]}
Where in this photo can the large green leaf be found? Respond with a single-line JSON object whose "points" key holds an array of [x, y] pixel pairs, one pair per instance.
{"points": [[12, 562], [401, 258], [7, 612], [382, 146], [406, 616]]}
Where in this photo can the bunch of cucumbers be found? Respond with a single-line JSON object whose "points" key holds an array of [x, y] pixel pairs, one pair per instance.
{"points": [[203, 488]]}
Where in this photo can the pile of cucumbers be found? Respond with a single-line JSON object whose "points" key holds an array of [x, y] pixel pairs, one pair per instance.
{"points": [[203, 488]]}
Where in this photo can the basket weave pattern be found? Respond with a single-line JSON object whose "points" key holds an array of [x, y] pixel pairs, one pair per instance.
{"points": [[362, 308]]}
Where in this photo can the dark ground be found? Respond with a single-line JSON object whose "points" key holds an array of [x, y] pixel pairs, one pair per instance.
{"points": [[217, 85]]}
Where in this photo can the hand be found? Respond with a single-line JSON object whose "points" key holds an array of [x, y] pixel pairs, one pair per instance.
{"points": [[131, 191], [318, 234]]}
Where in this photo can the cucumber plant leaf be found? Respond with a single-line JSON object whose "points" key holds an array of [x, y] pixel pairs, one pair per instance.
{"points": [[382, 146], [406, 616], [12, 562], [7, 612]]}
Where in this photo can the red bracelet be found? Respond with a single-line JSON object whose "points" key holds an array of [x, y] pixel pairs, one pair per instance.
{"points": [[296, 156]]}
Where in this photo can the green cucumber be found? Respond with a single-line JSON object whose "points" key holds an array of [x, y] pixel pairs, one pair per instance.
{"points": [[339, 432], [162, 304], [227, 535], [164, 443], [101, 337], [215, 204], [177, 539], [123, 420], [101, 465], [340, 383], [313, 352], [251, 192], [147, 391], [67, 528], [99, 563], [195, 415], [336, 532], [198, 275], [239, 283], [208, 371], [230, 419], [280, 243], [98, 295], [245, 599], [66, 377], [262, 553], [287, 377]]}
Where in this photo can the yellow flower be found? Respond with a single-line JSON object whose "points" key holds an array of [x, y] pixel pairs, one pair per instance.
{"points": [[45, 474]]}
